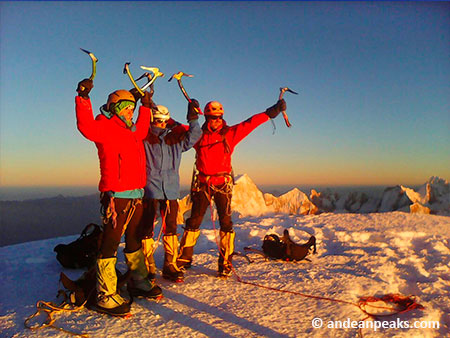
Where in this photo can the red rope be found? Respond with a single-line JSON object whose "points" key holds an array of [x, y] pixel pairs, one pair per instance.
{"points": [[406, 303]]}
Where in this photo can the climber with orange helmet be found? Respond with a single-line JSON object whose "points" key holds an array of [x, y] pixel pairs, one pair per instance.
{"points": [[213, 178], [122, 179]]}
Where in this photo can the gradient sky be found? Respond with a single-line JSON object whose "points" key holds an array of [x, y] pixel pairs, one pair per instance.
{"points": [[372, 77]]}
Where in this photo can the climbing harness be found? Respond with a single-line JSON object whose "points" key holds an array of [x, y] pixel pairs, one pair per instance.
{"points": [[109, 213], [50, 309]]}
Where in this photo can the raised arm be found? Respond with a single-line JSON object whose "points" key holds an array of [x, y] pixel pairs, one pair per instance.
{"points": [[86, 124], [195, 132], [145, 111], [239, 131]]}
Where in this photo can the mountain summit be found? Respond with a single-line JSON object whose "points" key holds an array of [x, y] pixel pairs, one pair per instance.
{"points": [[433, 197]]}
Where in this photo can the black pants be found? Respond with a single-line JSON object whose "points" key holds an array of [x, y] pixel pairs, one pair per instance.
{"points": [[150, 214], [112, 234], [200, 200]]}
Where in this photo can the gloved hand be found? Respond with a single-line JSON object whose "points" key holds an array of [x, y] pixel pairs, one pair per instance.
{"points": [[192, 113], [84, 87], [136, 94], [278, 107], [147, 101]]}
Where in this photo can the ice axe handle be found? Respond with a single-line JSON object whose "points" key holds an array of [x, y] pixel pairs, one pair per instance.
{"points": [[126, 70], [285, 116], [198, 110], [94, 63]]}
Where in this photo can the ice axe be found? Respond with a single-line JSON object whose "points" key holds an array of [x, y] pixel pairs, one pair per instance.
{"points": [[94, 65], [178, 77], [126, 70], [156, 73], [154, 70], [282, 91]]}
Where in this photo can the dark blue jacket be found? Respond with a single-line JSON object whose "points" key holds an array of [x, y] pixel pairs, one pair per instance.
{"points": [[163, 149]]}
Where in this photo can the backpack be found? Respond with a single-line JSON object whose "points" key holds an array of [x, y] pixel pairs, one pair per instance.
{"points": [[273, 247], [81, 253], [286, 249]]}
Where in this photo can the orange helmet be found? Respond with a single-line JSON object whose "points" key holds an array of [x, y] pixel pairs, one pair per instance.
{"points": [[119, 95], [213, 108]]}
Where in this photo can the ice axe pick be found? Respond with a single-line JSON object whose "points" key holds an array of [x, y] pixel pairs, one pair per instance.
{"points": [[282, 91], [94, 65], [156, 73], [178, 77]]}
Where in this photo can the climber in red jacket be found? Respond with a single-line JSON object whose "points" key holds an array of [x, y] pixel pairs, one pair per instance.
{"points": [[121, 153], [213, 178]]}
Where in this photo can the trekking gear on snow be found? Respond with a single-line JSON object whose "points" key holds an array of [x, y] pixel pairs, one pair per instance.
{"points": [[84, 87], [187, 244], [295, 251], [274, 110], [109, 300], [83, 290], [77, 295], [273, 247], [148, 248], [178, 77], [94, 63], [192, 113], [282, 91], [170, 269], [81, 253], [139, 285], [226, 253], [213, 108], [285, 248]]}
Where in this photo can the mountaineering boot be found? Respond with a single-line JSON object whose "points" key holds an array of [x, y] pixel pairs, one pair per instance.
{"points": [[170, 270], [108, 300], [148, 247], [139, 285], [187, 244], [226, 252]]}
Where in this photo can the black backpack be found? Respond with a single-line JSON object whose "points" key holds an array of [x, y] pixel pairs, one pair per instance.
{"points": [[286, 249], [273, 247], [81, 253]]}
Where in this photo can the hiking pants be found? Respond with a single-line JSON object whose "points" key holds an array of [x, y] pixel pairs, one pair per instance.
{"points": [[112, 234], [167, 209], [200, 202]]}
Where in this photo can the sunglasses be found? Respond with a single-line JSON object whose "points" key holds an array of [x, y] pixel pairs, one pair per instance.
{"points": [[159, 121], [213, 118]]}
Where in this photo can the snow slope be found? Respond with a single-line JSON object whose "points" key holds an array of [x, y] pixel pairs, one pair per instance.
{"points": [[358, 255]]}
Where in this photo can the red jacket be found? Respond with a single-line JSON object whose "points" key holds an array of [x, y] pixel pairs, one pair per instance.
{"points": [[120, 150], [214, 148]]}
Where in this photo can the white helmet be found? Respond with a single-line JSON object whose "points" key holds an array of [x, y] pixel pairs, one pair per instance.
{"points": [[161, 112]]}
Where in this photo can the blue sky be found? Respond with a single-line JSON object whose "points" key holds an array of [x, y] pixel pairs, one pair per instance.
{"points": [[372, 77]]}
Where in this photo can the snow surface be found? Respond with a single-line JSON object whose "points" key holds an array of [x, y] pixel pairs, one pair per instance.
{"points": [[358, 255]]}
